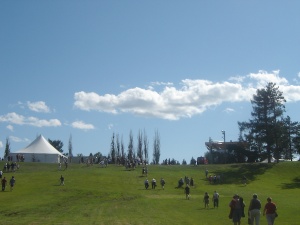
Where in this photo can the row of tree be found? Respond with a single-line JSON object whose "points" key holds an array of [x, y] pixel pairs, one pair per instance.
{"points": [[118, 155]]}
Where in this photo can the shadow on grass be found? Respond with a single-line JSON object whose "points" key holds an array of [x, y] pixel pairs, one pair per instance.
{"points": [[237, 172], [294, 184]]}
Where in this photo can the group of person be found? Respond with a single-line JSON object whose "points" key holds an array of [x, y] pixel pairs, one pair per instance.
{"points": [[153, 183], [237, 210], [12, 182]]}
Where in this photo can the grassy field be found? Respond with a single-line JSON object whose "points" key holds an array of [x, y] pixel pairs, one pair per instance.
{"points": [[114, 195]]}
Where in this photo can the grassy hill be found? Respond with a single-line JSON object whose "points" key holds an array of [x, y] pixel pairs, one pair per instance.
{"points": [[114, 195]]}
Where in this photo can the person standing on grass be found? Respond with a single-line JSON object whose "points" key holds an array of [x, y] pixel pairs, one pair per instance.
{"points": [[12, 183], [1, 174], [270, 211], [206, 200], [216, 199], [62, 180], [192, 182], [146, 183], [162, 183], [187, 192], [254, 210], [236, 210], [153, 183], [3, 182]]}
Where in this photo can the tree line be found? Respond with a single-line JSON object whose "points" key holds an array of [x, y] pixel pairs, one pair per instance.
{"points": [[140, 153]]}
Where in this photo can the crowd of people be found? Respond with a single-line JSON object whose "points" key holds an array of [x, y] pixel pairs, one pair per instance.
{"points": [[237, 204], [237, 210]]}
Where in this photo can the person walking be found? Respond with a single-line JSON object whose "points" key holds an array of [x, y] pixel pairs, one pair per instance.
{"points": [[153, 183], [12, 183], [3, 182], [62, 180], [206, 200], [270, 211], [187, 192], [236, 210], [162, 183], [254, 210], [146, 183], [216, 199]]}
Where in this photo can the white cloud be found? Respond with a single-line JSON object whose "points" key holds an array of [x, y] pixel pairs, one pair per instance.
{"points": [[17, 139], [191, 98], [229, 110], [1, 144], [39, 106], [10, 127], [83, 126], [32, 121]]}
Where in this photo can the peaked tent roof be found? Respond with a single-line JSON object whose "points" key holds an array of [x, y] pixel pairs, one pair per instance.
{"points": [[40, 146]]}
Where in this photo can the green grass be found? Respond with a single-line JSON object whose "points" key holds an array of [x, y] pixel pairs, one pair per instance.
{"points": [[114, 195]]}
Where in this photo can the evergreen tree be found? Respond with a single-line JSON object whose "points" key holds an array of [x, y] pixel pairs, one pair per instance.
{"points": [[262, 131], [70, 149], [7, 148], [113, 149], [156, 148], [130, 153], [146, 144], [140, 146]]}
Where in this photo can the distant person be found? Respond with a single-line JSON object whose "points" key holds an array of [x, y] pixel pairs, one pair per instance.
{"points": [[59, 166], [192, 182], [66, 164], [235, 210], [244, 180], [1, 174], [3, 182], [180, 182], [12, 183], [216, 199], [187, 192], [270, 211], [146, 183], [206, 173], [62, 180], [153, 182], [206, 200], [162, 183], [254, 210]]}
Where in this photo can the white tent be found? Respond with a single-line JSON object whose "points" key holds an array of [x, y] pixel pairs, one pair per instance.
{"points": [[40, 150]]}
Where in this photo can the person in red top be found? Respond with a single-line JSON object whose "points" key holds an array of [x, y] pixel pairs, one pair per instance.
{"points": [[3, 182], [270, 211]]}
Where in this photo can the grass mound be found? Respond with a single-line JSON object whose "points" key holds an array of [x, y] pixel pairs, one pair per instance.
{"points": [[114, 195]]}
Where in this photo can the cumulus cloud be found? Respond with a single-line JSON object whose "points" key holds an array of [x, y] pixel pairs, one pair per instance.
{"points": [[83, 126], [15, 118], [1, 144], [39, 106], [192, 97]]}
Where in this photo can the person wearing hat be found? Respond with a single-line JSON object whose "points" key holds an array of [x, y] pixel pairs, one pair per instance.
{"points": [[270, 211], [236, 210], [254, 210]]}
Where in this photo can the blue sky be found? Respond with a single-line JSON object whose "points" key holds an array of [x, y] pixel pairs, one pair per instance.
{"points": [[187, 69]]}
